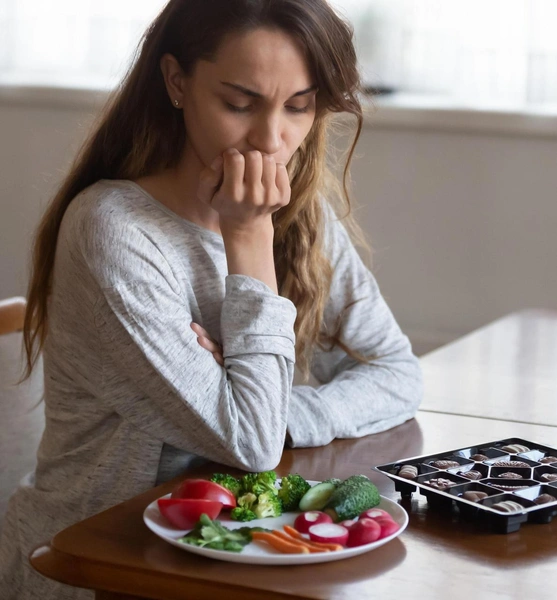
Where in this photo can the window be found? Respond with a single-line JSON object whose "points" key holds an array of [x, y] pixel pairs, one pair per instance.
{"points": [[502, 52]]}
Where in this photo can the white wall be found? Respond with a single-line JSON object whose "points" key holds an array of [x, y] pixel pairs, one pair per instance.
{"points": [[462, 224]]}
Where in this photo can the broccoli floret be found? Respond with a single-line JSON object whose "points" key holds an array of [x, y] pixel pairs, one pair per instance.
{"points": [[244, 510], [247, 500], [292, 489], [268, 505], [242, 514], [227, 481], [259, 483]]}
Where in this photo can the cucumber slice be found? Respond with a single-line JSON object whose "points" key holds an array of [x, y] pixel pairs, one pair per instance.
{"points": [[317, 497]]}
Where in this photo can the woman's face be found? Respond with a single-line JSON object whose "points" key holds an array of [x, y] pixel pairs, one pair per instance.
{"points": [[257, 95]]}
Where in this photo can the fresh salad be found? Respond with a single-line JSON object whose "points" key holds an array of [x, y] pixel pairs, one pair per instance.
{"points": [[332, 515]]}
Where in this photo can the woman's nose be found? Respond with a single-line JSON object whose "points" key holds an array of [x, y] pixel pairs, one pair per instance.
{"points": [[266, 135]]}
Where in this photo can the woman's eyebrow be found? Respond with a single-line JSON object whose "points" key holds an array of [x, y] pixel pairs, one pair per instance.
{"points": [[253, 94]]}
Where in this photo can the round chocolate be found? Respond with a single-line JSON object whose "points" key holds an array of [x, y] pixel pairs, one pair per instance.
{"points": [[445, 464], [510, 464], [440, 483], [549, 477], [478, 457], [515, 448], [548, 459], [470, 474], [544, 499], [508, 506], [408, 472], [510, 475], [474, 496]]}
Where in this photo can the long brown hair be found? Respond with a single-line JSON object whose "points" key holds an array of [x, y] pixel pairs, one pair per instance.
{"points": [[140, 133]]}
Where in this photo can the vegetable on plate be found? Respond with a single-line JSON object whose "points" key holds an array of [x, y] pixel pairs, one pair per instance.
{"points": [[364, 531], [312, 517], [328, 532], [204, 490], [292, 489], [353, 496], [185, 512], [212, 534]]}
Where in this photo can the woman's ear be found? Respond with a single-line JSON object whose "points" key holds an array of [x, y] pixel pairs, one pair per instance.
{"points": [[174, 79]]}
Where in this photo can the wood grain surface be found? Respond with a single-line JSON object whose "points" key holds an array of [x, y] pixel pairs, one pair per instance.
{"points": [[437, 556], [506, 371]]}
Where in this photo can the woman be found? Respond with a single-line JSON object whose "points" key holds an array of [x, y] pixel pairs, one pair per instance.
{"points": [[189, 260]]}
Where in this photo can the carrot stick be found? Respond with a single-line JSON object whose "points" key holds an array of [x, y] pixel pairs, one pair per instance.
{"points": [[294, 533], [279, 544], [302, 541]]}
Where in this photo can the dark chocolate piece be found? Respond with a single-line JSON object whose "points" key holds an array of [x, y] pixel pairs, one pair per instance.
{"points": [[508, 506], [544, 499], [510, 464], [474, 496], [548, 459], [445, 464], [515, 448], [408, 472], [549, 477], [470, 474], [478, 457], [440, 483], [510, 475]]}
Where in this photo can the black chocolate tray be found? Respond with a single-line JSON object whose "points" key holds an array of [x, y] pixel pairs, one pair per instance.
{"points": [[450, 485]]}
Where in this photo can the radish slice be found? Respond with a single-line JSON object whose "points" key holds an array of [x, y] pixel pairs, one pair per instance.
{"points": [[348, 523], [365, 531], [313, 517], [374, 513], [329, 533], [387, 527]]}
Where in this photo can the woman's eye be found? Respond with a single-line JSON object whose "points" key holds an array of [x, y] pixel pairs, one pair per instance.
{"points": [[245, 109], [240, 109]]}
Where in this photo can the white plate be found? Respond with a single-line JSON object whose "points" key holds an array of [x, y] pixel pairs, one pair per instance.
{"points": [[259, 554]]}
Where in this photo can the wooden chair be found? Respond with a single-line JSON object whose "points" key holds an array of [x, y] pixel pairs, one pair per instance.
{"points": [[21, 412], [12, 313]]}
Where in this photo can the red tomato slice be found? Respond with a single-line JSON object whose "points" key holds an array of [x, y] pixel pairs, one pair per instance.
{"points": [[185, 512], [205, 490]]}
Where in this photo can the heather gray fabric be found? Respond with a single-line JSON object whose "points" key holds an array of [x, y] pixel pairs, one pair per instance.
{"points": [[131, 397]]}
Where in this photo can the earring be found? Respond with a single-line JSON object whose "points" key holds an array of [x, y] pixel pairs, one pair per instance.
{"points": [[176, 103]]}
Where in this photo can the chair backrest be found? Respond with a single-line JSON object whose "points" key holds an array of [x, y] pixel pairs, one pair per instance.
{"points": [[21, 412]]}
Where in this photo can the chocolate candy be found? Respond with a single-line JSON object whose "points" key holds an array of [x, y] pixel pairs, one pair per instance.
{"points": [[549, 477], [510, 475], [548, 459], [508, 506], [440, 483], [510, 464], [515, 448], [470, 474], [474, 496], [478, 457], [445, 464], [509, 488], [408, 472], [544, 499]]}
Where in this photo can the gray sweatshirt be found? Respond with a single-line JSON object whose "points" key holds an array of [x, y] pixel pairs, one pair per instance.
{"points": [[131, 398]]}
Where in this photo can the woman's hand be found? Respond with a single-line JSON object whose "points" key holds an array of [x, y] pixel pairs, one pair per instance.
{"points": [[254, 186], [207, 342]]}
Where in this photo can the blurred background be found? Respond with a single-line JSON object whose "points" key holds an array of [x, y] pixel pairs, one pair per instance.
{"points": [[455, 177]]}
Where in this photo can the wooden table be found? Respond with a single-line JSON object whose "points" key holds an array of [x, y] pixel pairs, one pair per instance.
{"points": [[437, 556], [506, 370]]}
